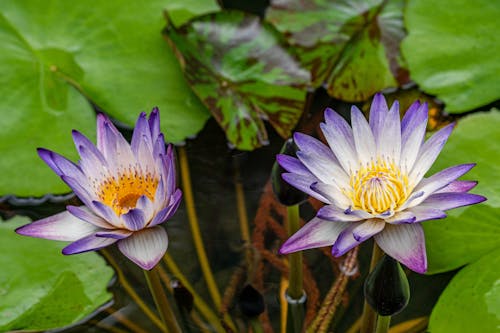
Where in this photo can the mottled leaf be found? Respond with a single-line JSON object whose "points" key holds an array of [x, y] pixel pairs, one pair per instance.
{"points": [[352, 46], [42, 289], [452, 50], [241, 69], [55, 56], [470, 232], [471, 302]]}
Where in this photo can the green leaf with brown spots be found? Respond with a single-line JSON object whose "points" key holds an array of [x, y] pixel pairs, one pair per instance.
{"points": [[351, 46], [242, 70]]}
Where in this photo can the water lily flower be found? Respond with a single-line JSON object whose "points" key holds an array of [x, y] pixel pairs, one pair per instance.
{"points": [[127, 190], [371, 178]]}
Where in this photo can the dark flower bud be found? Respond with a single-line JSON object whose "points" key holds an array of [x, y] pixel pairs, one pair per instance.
{"points": [[386, 287], [182, 296], [251, 302], [286, 193]]}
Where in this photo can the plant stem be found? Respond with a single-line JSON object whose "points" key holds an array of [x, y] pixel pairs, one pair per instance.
{"points": [[369, 315], [295, 295], [242, 216], [383, 323], [202, 307], [161, 301], [295, 288], [256, 326], [131, 292], [195, 229]]}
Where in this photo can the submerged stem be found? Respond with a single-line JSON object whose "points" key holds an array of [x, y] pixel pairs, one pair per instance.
{"points": [[242, 216], [295, 286], [195, 229], [369, 315], [161, 301], [131, 292]]}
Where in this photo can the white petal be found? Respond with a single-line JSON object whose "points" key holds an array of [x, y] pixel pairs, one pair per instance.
{"points": [[389, 140], [412, 134], [363, 137], [406, 244], [367, 229], [62, 226], [145, 247]]}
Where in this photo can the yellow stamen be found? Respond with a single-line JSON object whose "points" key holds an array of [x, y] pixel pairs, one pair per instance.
{"points": [[378, 187], [121, 192]]}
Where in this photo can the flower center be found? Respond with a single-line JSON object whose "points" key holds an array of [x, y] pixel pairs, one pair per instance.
{"points": [[378, 187], [121, 193]]}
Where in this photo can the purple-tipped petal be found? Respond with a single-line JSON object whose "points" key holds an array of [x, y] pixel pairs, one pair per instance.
{"points": [[428, 153], [363, 137], [413, 129], [62, 227], [309, 144], [91, 164], [367, 229], [141, 132], [458, 186], [80, 187], [346, 240], [315, 233], [338, 133], [326, 170], [332, 193], [145, 247], [159, 146], [336, 214], [112, 144], [59, 164], [154, 123], [89, 243], [292, 164], [401, 217], [116, 233], [440, 180], [134, 220], [426, 213], [83, 213], [378, 112], [303, 183], [446, 201], [406, 244], [166, 213], [389, 140], [81, 140]]}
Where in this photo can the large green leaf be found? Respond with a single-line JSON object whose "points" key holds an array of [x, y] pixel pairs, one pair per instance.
{"points": [[351, 45], [471, 302], [181, 11], [242, 71], [42, 289], [452, 50], [54, 55], [469, 232]]}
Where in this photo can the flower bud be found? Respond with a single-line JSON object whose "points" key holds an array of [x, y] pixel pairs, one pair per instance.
{"points": [[386, 287]]}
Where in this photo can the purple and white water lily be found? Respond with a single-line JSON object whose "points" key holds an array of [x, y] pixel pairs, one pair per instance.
{"points": [[127, 190], [371, 178]]}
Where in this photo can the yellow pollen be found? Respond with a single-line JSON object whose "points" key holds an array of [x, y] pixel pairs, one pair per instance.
{"points": [[122, 192], [378, 187]]}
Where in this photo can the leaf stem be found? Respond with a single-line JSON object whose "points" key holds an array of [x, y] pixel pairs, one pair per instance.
{"points": [[161, 301], [369, 315], [295, 287]]}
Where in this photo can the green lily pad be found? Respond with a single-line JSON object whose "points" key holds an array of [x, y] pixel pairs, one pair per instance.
{"points": [[241, 69], [181, 11], [42, 289], [351, 46], [57, 56], [470, 232], [471, 302], [452, 50]]}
